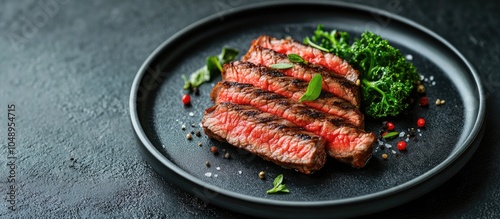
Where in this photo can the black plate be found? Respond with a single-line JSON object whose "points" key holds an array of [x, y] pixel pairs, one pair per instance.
{"points": [[452, 133]]}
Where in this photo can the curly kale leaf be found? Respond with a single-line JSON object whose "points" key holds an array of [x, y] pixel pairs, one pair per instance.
{"points": [[387, 78], [334, 41]]}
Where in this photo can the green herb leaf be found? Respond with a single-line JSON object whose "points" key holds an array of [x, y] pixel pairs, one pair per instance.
{"points": [[227, 55], [282, 188], [278, 180], [296, 58], [198, 77], [313, 89], [187, 84], [277, 186], [281, 65], [213, 66], [390, 134]]}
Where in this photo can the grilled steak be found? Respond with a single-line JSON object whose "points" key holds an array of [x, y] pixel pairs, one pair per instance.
{"points": [[310, 54], [275, 81], [344, 142], [270, 137], [332, 83]]}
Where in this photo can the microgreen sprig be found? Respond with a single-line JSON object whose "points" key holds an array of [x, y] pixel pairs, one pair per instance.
{"points": [[278, 186]]}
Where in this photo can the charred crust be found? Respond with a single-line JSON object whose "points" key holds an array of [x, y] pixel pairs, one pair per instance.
{"points": [[312, 113], [284, 102], [303, 136], [252, 113], [272, 73], [235, 84], [271, 96]]}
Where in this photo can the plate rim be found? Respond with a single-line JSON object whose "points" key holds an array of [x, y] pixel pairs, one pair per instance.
{"points": [[470, 143]]}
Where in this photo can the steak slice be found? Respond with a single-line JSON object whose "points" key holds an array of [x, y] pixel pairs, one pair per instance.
{"points": [[344, 142], [332, 83], [270, 137], [310, 54], [277, 82]]}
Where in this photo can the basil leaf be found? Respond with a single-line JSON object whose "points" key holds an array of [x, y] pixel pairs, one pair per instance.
{"points": [[281, 65], [313, 89], [213, 67], [278, 180], [277, 186], [198, 77], [187, 84], [227, 55], [296, 58], [271, 191], [282, 188], [390, 134]]}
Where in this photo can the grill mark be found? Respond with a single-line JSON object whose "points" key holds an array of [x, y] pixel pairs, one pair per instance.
{"points": [[332, 82], [327, 102], [303, 136], [251, 113], [310, 54], [343, 138], [297, 149]]}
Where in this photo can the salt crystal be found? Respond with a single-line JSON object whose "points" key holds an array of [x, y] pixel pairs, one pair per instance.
{"points": [[422, 77], [218, 168], [191, 114], [431, 77], [393, 151], [380, 143], [418, 130], [409, 57], [407, 139], [402, 134], [239, 172], [426, 79], [433, 83], [420, 134], [208, 174], [215, 175], [388, 145]]}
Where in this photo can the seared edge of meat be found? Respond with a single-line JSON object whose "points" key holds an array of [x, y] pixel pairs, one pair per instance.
{"points": [[332, 83], [270, 137], [277, 82], [345, 142], [310, 54]]}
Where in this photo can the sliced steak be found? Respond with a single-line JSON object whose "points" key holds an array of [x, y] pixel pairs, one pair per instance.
{"points": [[310, 54], [277, 82], [345, 142], [270, 137], [332, 83]]}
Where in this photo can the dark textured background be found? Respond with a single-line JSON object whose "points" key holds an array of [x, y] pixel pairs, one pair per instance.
{"points": [[68, 69]]}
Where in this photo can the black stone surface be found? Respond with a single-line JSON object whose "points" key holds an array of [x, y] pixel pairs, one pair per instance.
{"points": [[67, 66]]}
